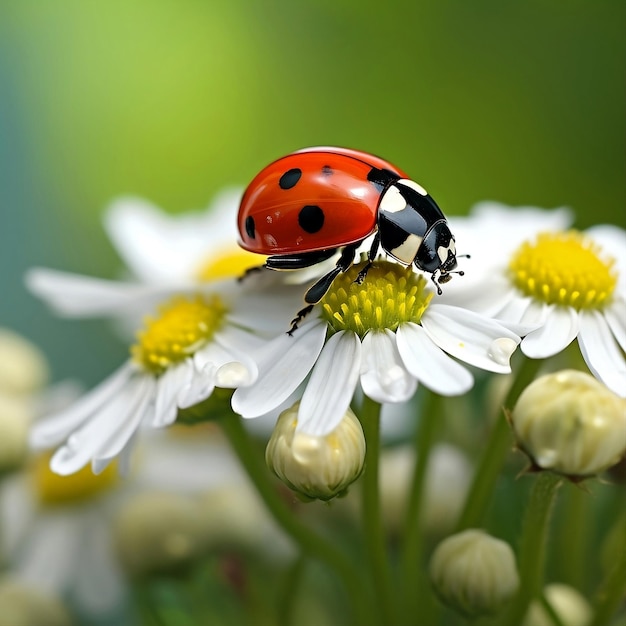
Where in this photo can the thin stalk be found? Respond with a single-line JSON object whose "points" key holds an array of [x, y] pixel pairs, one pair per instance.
{"points": [[611, 591], [532, 547], [310, 542], [375, 539], [412, 550], [496, 450]]}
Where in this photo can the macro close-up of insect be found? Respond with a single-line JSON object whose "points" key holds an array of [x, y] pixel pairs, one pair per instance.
{"points": [[305, 207]]}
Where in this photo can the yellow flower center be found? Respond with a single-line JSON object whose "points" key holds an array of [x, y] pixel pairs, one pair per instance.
{"points": [[564, 268], [82, 485], [183, 326], [389, 296], [231, 263]]}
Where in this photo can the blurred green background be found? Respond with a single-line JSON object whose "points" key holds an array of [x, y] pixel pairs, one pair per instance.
{"points": [[521, 102]]}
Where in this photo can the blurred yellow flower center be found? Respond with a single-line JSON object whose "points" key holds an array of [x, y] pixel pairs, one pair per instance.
{"points": [[389, 296], [183, 326], [231, 263], [564, 268], [54, 489]]}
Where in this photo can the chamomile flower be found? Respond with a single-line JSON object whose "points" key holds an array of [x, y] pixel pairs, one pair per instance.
{"points": [[194, 343], [56, 531], [164, 254], [550, 283], [386, 333]]}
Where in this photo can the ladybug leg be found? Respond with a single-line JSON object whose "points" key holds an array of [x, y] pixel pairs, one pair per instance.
{"points": [[371, 255], [317, 291], [300, 315], [249, 272], [298, 261]]}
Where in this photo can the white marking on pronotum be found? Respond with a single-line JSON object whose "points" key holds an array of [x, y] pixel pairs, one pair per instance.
{"points": [[392, 201], [407, 250], [443, 251], [412, 185]]}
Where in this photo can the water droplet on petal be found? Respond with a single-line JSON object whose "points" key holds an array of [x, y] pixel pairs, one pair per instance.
{"points": [[232, 375], [73, 443], [501, 350]]}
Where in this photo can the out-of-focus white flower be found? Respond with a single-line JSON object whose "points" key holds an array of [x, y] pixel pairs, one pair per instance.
{"points": [[316, 467], [474, 572], [55, 531], [24, 605], [23, 367], [548, 282], [571, 607], [384, 332]]}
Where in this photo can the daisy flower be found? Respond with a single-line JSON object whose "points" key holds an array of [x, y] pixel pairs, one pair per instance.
{"points": [[386, 333], [195, 342], [551, 283], [56, 531], [163, 254]]}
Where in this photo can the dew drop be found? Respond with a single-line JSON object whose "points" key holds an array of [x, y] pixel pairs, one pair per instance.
{"points": [[501, 350]]}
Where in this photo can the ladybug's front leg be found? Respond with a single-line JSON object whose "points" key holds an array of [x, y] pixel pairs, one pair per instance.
{"points": [[319, 289], [371, 255]]}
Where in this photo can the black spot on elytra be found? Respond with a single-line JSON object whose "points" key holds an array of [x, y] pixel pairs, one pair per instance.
{"points": [[250, 227], [327, 170], [290, 178], [381, 178], [311, 218]]}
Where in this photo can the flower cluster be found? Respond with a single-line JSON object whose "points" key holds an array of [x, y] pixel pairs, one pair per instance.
{"points": [[215, 340]]}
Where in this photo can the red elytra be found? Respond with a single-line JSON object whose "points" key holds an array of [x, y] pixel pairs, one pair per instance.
{"points": [[313, 199]]}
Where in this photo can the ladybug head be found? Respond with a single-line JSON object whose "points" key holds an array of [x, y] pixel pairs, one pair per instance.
{"points": [[437, 254]]}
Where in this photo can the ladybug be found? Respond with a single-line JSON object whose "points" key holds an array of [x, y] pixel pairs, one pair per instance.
{"points": [[303, 208]]}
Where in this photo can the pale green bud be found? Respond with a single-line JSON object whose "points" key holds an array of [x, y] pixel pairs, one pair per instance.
{"points": [[23, 368], [21, 605], [316, 467], [159, 533], [570, 423], [473, 572], [571, 607]]}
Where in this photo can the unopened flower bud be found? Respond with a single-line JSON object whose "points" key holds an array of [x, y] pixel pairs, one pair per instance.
{"points": [[27, 606], [23, 368], [570, 606], [473, 572], [159, 533], [570, 423], [316, 467]]}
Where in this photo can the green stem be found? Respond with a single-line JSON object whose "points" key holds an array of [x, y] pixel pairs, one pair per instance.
{"points": [[496, 450], [611, 592], [572, 546], [412, 551], [289, 593], [532, 547], [375, 540], [309, 541]]}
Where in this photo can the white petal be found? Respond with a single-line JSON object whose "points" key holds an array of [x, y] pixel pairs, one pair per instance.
{"points": [[83, 445], [469, 337], [429, 364], [54, 428], [200, 387], [601, 352], [522, 314], [73, 295], [227, 353], [330, 389], [615, 315], [383, 375], [285, 362], [158, 247], [169, 386], [558, 331], [140, 404]]}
